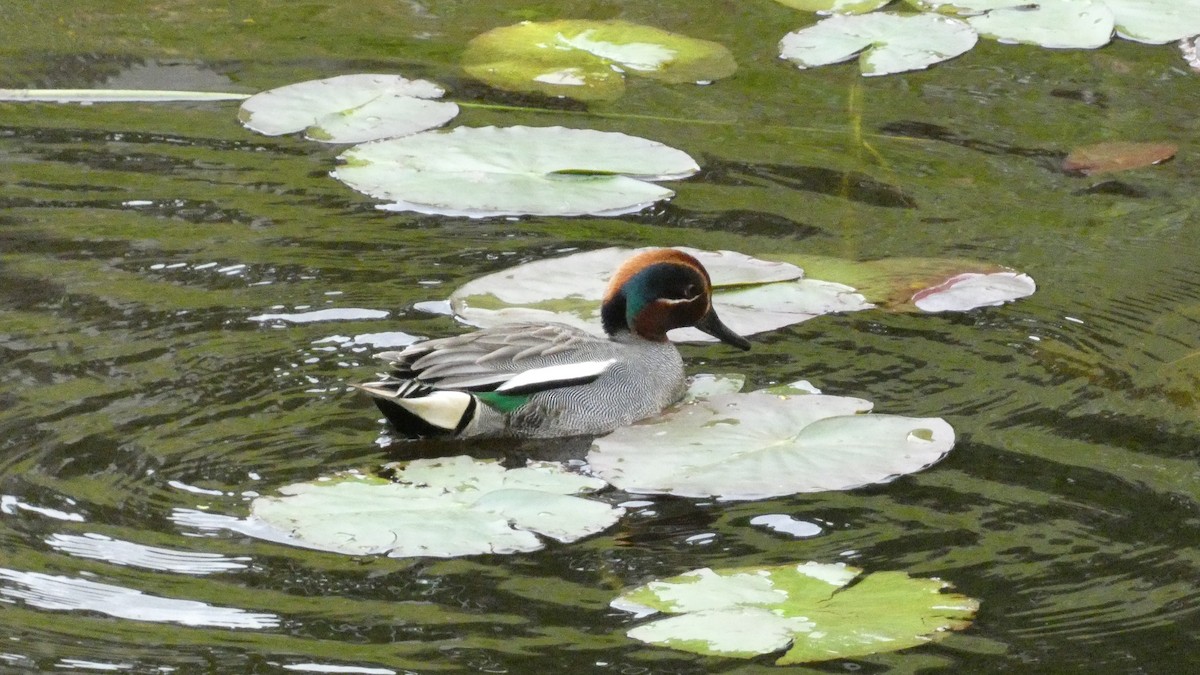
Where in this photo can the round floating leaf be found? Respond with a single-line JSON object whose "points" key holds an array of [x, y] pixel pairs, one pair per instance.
{"points": [[969, 7], [445, 507], [587, 60], [823, 611], [495, 171], [884, 43], [970, 291], [1156, 21], [1058, 24], [835, 6], [751, 295], [349, 108], [893, 283], [760, 445], [1117, 156]]}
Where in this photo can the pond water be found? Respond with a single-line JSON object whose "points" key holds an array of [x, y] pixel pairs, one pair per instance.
{"points": [[139, 239]]}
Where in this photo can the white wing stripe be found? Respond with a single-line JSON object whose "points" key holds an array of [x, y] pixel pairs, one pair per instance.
{"points": [[567, 372]]}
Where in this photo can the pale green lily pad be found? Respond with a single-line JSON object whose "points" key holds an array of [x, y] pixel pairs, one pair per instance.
{"points": [[1067, 23], [835, 6], [762, 445], [1058, 24], [496, 171], [750, 295], [1156, 21], [884, 43], [349, 108], [822, 611], [968, 291], [434, 507], [588, 60]]}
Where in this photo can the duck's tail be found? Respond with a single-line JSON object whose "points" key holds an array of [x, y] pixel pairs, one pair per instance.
{"points": [[419, 410]]}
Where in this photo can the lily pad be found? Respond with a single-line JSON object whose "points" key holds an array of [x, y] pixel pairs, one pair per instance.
{"points": [[761, 445], [1058, 24], [894, 283], [1117, 156], [822, 611], [441, 508], [970, 291], [835, 6], [349, 108], [588, 60], [884, 43], [751, 295], [1068, 23], [495, 171]]}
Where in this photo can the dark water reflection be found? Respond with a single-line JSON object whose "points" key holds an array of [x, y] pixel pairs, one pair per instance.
{"points": [[135, 385]]}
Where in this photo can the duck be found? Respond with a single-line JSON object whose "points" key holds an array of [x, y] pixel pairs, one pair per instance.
{"points": [[545, 380]]}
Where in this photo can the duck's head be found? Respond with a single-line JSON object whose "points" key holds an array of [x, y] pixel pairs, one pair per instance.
{"points": [[661, 289]]}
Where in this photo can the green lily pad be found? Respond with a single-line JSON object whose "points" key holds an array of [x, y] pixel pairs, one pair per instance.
{"points": [[1156, 21], [349, 108], [588, 60], [750, 295], [835, 6], [1059, 24], [495, 171], [762, 445], [1066, 22], [884, 43], [822, 611], [441, 508]]}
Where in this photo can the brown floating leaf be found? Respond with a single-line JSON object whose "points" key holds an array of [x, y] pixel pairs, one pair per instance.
{"points": [[1116, 156]]}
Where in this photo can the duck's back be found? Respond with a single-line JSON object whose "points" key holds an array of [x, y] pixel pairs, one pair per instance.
{"points": [[637, 378]]}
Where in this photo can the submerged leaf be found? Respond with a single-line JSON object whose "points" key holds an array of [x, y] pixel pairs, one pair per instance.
{"points": [[588, 60], [494, 171], [824, 611], [349, 108], [1117, 156], [884, 43], [441, 508], [760, 445]]}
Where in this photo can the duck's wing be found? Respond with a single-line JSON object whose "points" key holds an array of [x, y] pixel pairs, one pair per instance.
{"points": [[511, 359]]}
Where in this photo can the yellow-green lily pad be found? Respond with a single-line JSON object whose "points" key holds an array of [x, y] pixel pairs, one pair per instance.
{"points": [[588, 60], [816, 611]]}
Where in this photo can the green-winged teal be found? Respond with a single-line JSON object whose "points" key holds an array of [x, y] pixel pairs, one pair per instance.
{"points": [[550, 379]]}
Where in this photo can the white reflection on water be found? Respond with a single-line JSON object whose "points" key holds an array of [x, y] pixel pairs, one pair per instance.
{"points": [[325, 668], [785, 524], [118, 552], [60, 592], [333, 314], [10, 505]]}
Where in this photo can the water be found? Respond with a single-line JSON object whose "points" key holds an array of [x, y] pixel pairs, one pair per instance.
{"points": [[139, 240]]}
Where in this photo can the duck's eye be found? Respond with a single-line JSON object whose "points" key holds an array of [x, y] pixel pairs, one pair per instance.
{"points": [[690, 292]]}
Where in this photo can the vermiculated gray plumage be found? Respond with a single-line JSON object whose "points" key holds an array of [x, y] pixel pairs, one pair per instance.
{"points": [[644, 377]]}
